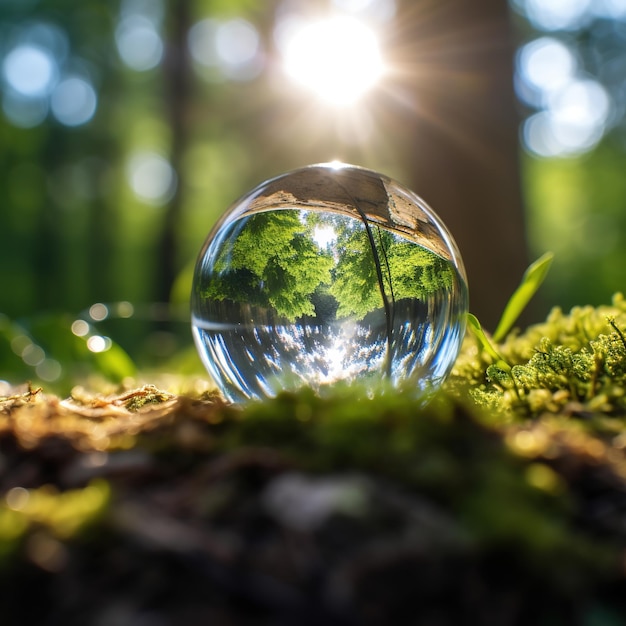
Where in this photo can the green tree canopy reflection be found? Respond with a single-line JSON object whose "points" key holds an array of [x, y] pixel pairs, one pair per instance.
{"points": [[408, 271], [273, 259]]}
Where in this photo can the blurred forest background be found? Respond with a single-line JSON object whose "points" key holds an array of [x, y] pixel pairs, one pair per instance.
{"points": [[127, 128]]}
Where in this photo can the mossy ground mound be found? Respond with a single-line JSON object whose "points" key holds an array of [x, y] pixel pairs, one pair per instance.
{"points": [[501, 502]]}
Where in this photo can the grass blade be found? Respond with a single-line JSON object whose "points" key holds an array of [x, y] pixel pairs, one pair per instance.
{"points": [[531, 281], [483, 340]]}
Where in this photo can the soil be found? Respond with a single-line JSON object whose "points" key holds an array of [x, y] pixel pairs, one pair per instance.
{"points": [[149, 508]]}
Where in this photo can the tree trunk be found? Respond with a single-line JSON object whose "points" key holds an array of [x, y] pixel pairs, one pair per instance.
{"points": [[177, 88], [461, 122]]}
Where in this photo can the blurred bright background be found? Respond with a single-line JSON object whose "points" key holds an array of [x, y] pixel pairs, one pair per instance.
{"points": [[127, 128]]}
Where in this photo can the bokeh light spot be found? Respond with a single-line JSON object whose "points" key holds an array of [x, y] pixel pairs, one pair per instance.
{"points": [[546, 63], [232, 47], [553, 15], [124, 309], [574, 125], [33, 354], [201, 42], [611, 9], [151, 177], [80, 328], [581, 102], [22, 111], [574, 111], [49, 370], [74, 101], [47, 36], [379, 10], [17, 498], [138, 43], [98, 343], [29, 70], [237, 42], [154, 10], [19, 343], [98, 312]]}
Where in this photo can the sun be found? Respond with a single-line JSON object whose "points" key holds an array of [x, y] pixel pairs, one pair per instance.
{"points": [[337, 58]]}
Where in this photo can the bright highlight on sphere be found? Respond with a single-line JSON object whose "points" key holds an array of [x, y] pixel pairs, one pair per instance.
{"points": [[338, 59]]}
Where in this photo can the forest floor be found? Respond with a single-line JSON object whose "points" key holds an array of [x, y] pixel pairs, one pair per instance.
{"points": [[501, 502]]}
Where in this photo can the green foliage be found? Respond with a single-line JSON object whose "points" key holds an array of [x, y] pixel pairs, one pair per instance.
{"points": [[43, 349], [408, 271], [531, 281], [503, 466], [576, 209], [272, 260], [574, 362], [500, 499], [480, 335], [271, 263], [456, 490], [63, 514], [355, 281]]}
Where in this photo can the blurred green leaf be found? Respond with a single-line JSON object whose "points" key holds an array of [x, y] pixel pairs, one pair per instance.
{"points": [[531, 281], [114, 363], [12, 366], [43, 349], [485, 343]]}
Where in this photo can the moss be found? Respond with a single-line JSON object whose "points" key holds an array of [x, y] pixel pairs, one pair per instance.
{"points": [[517, 467], [572, 363], [61, 514]]}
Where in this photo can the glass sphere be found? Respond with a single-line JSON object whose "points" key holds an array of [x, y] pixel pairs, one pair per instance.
{"points": [[328, 273]]}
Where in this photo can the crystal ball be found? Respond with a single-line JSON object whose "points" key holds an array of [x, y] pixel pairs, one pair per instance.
{"points": [[324, 274]]}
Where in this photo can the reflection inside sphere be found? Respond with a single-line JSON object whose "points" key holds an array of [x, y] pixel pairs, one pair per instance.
{"points": [[328, 274]]}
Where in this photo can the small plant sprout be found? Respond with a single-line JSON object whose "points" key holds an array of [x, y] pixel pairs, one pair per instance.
{"points": [[531, 281]]}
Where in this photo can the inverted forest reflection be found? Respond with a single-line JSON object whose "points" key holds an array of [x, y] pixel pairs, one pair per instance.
{"points": [[276, 260], [290, 296]]}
